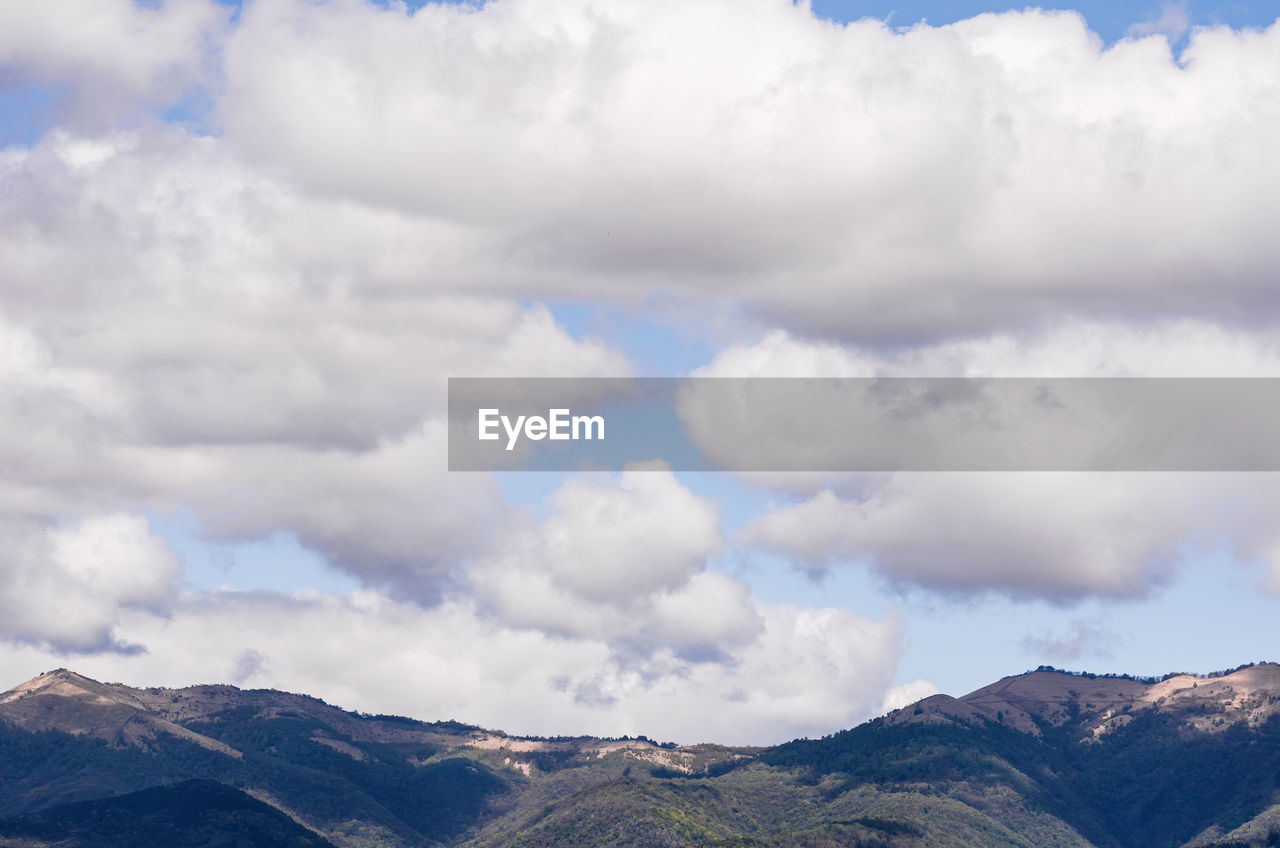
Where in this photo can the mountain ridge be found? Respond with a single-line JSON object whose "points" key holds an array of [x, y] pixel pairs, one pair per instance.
{"points": [[1017, 696], [1247, 693], [1043, 758]]}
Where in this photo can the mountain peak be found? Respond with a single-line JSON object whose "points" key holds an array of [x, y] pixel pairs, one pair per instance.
{"points": [[60, 681], [1026, 702], [68, 701]]}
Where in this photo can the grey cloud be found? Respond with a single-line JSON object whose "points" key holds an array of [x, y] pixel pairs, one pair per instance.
{"points": [[1064, 536], [68, 585], [1173, 22], [850, 181], [256, 325], [623, 561], [811, 671], [1084, 638], [107, 61], [1060, 536], [169, 343], [248, 664]]}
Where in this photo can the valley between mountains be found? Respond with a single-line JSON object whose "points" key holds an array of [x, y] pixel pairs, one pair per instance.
{"points": [[1045, 758]]}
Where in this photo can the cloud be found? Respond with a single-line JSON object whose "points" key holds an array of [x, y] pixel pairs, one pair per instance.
{"points": [[68, 586], [1068, 348], [248, 665], [1085, 637], [623, 561], [624, 630], [232, 308], [1173, 22], [607, 543], [184, 333], [256, 325], [852, 181], [391, 515], [810, 672], [906, 694], [109, 60], [1061, 536], [260, 358]]}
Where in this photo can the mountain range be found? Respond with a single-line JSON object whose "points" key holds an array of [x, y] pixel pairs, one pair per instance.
{"points": [[1045, 758]]}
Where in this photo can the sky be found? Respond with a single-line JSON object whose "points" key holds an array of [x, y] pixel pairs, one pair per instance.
{"points": [[244, 245]]}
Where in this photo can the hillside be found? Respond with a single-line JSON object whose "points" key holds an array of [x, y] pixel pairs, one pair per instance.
{"points": [[196, 813], [1045, 758]]}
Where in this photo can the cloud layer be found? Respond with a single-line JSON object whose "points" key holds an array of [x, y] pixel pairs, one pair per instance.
{"points": [[254, 322], [854, 181], [812, 670], [848, 180], [1061, 535], [68, 586], [180, 335]]}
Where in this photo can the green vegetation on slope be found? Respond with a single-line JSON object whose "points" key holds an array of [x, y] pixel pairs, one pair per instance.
{"points": [[192, 814], [1153, 782]]}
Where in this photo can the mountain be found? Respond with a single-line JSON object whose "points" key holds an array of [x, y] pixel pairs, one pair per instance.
{"points": [[1248, 695], [195, 813], [1046, 758], [1181, 760]]}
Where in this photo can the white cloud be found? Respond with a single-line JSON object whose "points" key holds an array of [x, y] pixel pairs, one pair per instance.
{"points": [[1069, 348], [623, 561], [183, 332], [1055, 535], [810, 672], [851, 180], [113, 57], [391, 515], [649, 533], [1172, 22], [68, 586], [906, 694], [780, 354], [256, 326], [231, 308], [855, 180]]}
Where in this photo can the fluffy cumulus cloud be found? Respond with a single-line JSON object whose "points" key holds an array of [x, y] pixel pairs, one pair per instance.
{"points": [[811, 671], [234, 309], [66, 587], [1060, 535], [852, 180], [107, 61], [907, 693], [1056, 535], [626, 564], [254, 323], [184, 332]]}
